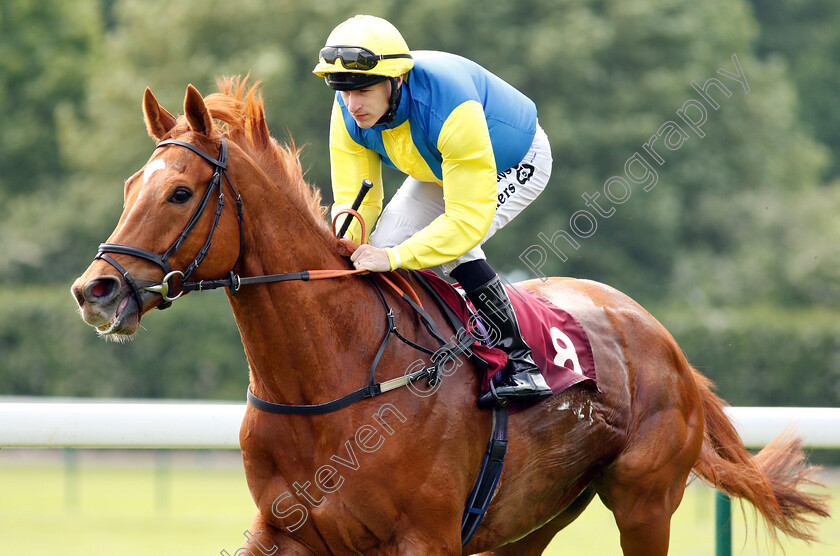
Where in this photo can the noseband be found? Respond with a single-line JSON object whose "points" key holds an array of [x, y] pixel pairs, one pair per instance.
{"points": [[165, 286]]}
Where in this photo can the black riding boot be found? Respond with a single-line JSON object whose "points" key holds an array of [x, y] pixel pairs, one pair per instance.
{"points": [[523, 381]]}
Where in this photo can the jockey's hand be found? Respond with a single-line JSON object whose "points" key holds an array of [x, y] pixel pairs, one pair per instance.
{"points": [[371, 258]]}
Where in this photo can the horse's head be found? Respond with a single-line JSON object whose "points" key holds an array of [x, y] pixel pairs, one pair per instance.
{"points": [[172, 209]]}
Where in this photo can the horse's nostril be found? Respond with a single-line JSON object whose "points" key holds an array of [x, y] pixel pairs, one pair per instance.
{"points": [[101, 289]]}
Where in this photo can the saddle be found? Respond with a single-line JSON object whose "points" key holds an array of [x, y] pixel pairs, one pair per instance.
{"points": [[558, 342]]}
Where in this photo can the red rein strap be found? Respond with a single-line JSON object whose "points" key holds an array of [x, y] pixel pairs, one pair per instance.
{"points": [[353, 214], [403, 289]]}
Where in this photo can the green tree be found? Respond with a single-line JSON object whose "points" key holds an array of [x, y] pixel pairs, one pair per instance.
{"points": [[47, 47], [46, 44], [804, 34]]}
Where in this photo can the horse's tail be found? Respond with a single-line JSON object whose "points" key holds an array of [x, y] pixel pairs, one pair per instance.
{"points": [[771, 480]]}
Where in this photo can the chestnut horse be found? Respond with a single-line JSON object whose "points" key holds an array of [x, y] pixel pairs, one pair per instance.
{"points": [[391, 474]]}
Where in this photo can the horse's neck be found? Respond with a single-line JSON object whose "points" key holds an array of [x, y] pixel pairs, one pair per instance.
{"points": [[299, 337]]}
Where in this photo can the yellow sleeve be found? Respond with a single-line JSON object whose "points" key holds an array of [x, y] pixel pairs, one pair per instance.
{"points": [[350, 164], [469, 192]]}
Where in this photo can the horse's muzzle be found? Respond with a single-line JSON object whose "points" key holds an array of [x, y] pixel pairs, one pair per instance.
{"points": [[107, 304]]}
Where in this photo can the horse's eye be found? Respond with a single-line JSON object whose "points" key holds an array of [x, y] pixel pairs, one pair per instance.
{"points": [[180, 196]]}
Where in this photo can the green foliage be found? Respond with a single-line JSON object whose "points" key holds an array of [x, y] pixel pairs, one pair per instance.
{"points": [[804, 33], [760, 355], [43, 68], [47, 51], [786, 252]]}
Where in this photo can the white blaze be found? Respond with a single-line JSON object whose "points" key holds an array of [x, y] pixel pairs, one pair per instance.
{"points": [[151, 168]]}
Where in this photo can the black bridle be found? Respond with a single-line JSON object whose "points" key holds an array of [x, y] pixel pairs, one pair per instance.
{"points": [[165, 286]]}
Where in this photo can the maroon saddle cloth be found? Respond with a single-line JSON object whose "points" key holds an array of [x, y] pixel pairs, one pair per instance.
{"points": [[558, 342]]}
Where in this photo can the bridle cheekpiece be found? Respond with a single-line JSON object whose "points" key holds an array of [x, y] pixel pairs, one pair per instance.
{"points": [[165, 287]]}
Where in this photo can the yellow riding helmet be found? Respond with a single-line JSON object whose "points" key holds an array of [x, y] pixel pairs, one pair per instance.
{"points": [[365, 45]]}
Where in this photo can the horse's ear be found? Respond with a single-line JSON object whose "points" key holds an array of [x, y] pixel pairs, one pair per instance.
{"points": [[198, 116], [158, 120]]}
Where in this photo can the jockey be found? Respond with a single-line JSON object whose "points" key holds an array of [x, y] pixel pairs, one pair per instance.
{"points": [[475, 157]]}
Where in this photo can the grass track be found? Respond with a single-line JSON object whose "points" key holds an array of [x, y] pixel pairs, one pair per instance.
{"points": [[128, 509]]}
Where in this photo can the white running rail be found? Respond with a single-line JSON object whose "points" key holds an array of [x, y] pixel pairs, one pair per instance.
{"points": [[88, 423]]}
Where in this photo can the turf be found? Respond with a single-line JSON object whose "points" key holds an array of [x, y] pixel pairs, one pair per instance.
{"points": [[141, 508]]}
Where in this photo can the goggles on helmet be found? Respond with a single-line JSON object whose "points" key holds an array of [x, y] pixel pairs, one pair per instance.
{"points": [[356, 57]]}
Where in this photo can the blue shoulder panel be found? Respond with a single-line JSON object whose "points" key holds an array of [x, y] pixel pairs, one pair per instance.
{"points": [[441, 82]]}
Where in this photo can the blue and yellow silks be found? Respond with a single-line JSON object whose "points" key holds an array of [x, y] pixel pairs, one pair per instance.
{"points": [[457, 125]]}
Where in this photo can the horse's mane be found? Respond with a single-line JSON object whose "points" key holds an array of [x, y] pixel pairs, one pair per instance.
{"points": [[239, 106]]}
